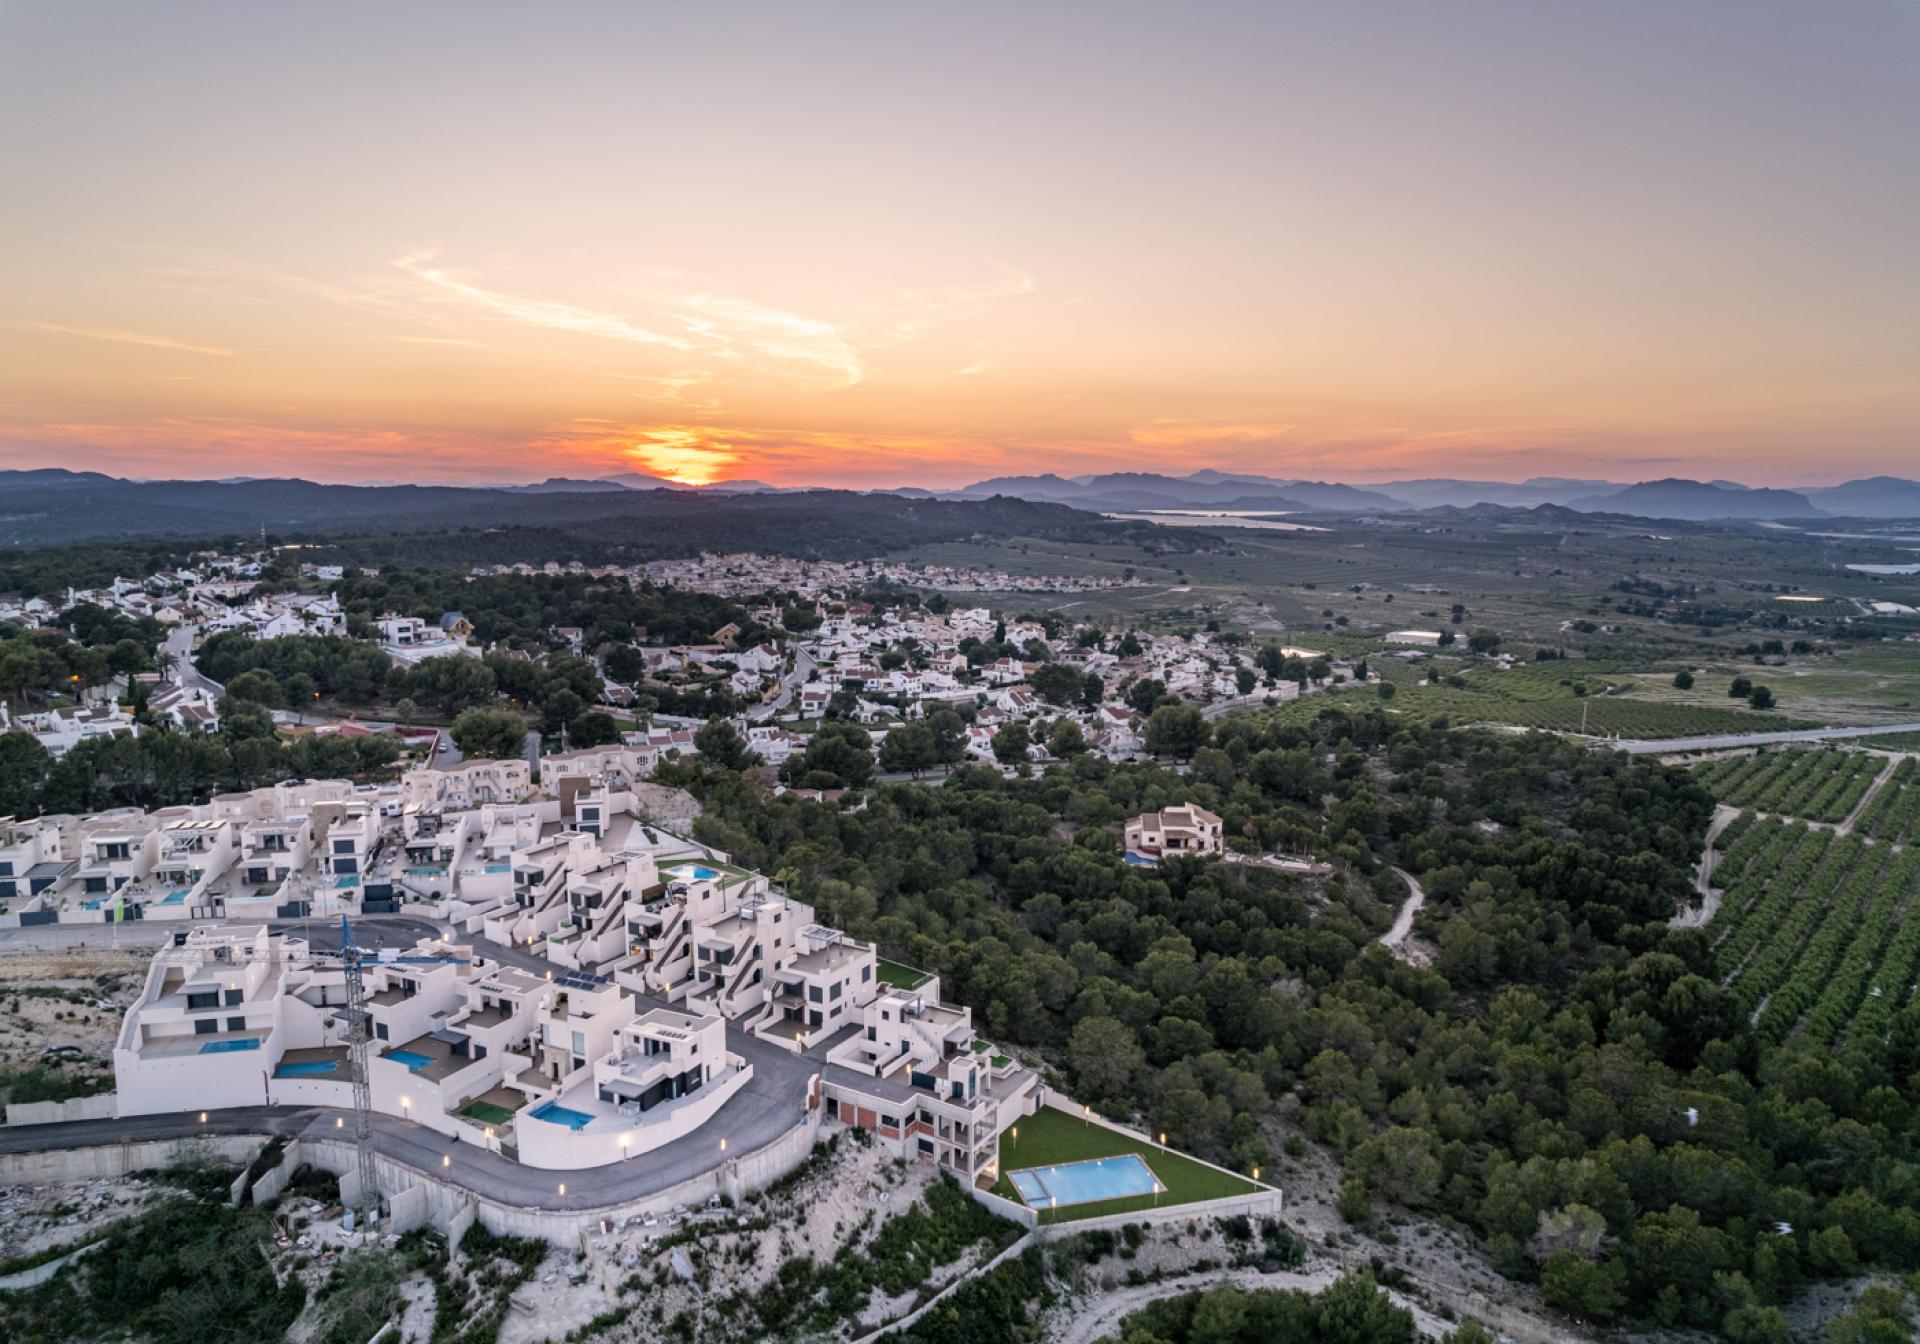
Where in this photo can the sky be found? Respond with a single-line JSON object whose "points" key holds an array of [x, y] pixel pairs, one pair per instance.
{"points": [[882, 244]]}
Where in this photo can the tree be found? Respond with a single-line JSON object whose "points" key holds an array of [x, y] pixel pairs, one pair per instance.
{"points": [[1483, 641], [595, 728], [1760, 698], [1387, 690], [910, 748], [1104, 1056], [1740, 689], [1176, 730], [301, 693], [1057, 683], [405, 710], [1010, 743], [1145, 693], [626, 664], [1244, 680], [719, 743], [1354, 1311], [1065, 739], [256, 686], [490, 732], [1683, 680], [23, 766], [1580, 1287], [838, 756]]}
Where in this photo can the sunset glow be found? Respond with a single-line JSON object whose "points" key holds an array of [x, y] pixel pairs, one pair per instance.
{"points": [[924, 246]]}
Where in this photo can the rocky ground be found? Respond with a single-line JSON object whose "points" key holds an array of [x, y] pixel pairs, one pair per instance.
{"points": [[65, 997]]}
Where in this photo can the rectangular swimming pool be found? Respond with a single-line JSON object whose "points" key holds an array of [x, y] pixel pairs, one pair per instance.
{"points": [[694, 872], [310, 1068], [414, 1062], [228, 1047], [554, 1113], [1085, 1182]]}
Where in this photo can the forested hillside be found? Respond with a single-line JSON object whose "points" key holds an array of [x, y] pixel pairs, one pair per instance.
{"points": [[1569, 1077]]}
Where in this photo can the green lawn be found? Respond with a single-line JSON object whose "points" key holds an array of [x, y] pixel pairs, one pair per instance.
{"points": [[902, 977], [1050, 1137], [486, 1113]]}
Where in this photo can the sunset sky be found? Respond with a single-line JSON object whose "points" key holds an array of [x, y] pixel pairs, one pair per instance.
{"points": [[922, 244]]}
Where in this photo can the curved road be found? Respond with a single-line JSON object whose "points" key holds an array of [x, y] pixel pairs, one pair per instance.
{"points": [[1403, 922], [770, 1103]]}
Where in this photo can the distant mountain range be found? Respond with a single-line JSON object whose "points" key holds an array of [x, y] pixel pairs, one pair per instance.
{"points": [[1683, 500], [53, 504]]}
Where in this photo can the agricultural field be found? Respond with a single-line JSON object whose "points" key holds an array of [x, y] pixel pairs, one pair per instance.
{"points": [[1894, 813], [1819, 785], [1813, 934]]}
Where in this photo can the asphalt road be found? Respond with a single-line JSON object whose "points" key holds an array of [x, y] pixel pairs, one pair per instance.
{"points": [[179, 643], [1663, 746], [324, 933]]}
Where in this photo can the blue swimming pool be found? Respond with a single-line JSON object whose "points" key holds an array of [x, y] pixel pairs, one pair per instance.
{"points": [[174, 897], [346, 882], [310, 1068], [554, 1113], [694, 872], [1085, 1182], [499, 868], [228, 1047], [413, 1060]]}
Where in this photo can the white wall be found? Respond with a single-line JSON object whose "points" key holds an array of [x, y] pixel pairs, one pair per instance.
{"points": [[556, 1147]]}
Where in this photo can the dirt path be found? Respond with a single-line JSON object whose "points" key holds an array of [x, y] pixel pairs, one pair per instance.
{"points": [[1403, 922], [1697, 916], [1873, 789]]}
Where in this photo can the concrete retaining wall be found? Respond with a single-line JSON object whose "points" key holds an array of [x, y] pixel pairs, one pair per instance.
{"points": [[457, 1228], [123, 1159], [270, 1185], [1263, 1205], [1006, 1208], [102, 1107]]}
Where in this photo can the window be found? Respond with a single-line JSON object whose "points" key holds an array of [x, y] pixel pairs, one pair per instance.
{"points": [[380, 1030], [235, 996], [814, 995], [837, 987], [206, 1026], [206, 998], [866, 974], [236, 1024]]}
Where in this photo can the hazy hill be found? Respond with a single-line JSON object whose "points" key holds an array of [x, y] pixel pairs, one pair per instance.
{"points": [[1874, 497], [1698, 501], [41, 508], [1433, 492]]}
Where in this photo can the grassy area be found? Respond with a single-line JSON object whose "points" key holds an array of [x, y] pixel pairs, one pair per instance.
{"points": [[486, 1113], [1050, 1137], [902, 977]]}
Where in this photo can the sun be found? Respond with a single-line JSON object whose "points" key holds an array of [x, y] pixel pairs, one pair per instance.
{"points": [[682, 454]]}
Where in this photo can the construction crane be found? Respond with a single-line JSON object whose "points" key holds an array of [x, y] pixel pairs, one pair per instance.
{"points": [[368, 1203]]}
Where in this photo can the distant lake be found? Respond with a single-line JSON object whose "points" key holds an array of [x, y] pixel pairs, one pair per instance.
{"points": [[1230, 517]]}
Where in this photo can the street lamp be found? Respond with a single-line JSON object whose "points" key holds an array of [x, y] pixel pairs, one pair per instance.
{"points": [[203, 1117], [563, 1187]]}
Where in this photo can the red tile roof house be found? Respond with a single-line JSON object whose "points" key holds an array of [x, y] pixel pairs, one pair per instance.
{"points": [[1176, 830]]}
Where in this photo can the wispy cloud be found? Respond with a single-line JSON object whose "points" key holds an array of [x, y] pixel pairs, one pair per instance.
{"points": [[535, 312], [774, 333], [920, 311], [126, 338]]}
